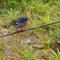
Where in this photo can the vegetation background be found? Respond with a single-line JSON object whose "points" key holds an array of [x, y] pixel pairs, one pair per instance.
{"points": [[38, 44]]}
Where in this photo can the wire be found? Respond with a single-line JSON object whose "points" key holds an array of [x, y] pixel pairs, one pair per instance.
{"points": [[40, 26]]}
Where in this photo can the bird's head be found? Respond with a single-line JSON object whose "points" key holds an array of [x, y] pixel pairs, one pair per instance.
{"points": [[23, 18]]}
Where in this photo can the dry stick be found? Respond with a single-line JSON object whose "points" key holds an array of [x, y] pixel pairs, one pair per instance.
{"points": [[40, 26]]}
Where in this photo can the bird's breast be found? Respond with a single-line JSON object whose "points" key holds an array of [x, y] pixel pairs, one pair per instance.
{"points": [[20, 26]]}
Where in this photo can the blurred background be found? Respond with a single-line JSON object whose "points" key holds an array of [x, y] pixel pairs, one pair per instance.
{"points": [[38, 44]]}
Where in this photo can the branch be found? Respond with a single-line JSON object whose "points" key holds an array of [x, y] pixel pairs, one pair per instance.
{"points": [[40, 26]]}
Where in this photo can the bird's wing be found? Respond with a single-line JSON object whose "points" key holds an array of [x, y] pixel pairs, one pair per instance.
{"points": [[18, 25]]}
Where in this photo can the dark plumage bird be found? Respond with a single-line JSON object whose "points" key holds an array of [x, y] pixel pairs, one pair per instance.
{"points": [[20, 23]]}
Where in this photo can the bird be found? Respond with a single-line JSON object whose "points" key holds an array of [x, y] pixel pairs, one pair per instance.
{"points": [[20, 23]]}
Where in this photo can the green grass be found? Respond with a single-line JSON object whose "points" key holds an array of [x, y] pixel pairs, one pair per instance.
{"points": [[40, 12]]}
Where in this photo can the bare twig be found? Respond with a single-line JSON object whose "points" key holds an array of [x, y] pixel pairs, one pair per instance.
{"points": [[40, 26]]}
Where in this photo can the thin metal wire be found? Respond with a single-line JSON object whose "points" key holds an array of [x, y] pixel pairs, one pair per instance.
{"points": [[40, 26]]}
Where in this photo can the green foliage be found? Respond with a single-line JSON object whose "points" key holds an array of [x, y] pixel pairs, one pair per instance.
{"points": [[45, 20], [1, 49], [12, 3], [56, 54], [40, 12], [57, 34], [11, 14], [28, 54]]}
